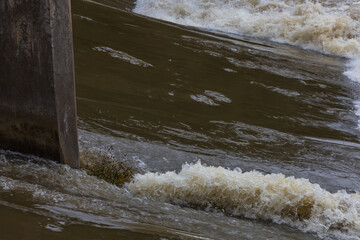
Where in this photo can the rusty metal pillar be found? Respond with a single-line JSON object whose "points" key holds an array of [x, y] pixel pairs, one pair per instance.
{"points": [[37, 90]]}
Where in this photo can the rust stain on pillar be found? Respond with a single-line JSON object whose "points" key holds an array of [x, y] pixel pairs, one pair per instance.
{"points": [[37, 92]]}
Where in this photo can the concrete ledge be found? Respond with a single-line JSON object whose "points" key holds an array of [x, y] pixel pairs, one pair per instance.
{"points": [[37, 91]]}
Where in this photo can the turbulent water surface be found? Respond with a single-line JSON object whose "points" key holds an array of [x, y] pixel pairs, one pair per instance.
{"points": [[241, 117]]}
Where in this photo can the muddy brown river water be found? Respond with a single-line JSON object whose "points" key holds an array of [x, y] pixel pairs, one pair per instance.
{"points": [[241, 117]]}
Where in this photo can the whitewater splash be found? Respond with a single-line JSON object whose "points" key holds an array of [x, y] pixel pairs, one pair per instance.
{"points": [[287, 200], [353, 71], [325, 25]]}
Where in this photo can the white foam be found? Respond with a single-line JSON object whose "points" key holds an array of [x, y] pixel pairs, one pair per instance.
{"points": [[353, 71], [319, 25], [295, 202]]}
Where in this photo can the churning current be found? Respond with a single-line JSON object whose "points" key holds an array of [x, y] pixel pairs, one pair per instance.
{"points": [[240, 117], [325, 25]]}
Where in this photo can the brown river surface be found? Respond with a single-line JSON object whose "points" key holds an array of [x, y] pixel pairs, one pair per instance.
{"points": [[241, 117]]}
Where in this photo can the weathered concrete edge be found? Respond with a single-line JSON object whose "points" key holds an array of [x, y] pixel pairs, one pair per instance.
{"points": [[63, 57]]}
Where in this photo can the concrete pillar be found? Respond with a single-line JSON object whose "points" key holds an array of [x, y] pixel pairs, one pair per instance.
{"points": [[37, 92]]}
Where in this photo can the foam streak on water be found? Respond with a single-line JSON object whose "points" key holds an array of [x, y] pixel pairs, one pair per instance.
{"points": [[123, 56], [295, 202], [357, 111]]}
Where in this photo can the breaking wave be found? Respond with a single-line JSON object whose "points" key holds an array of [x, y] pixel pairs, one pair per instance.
{"points": [[286, 200], [325, 25]]}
